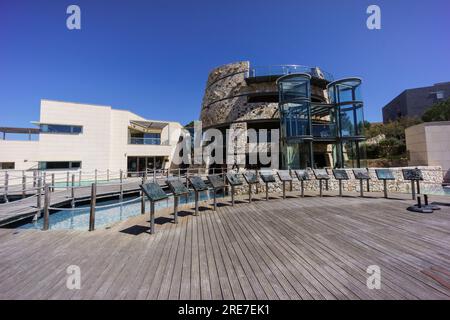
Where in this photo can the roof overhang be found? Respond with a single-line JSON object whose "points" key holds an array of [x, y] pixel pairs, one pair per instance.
{"points": [[19, 130], [148, 126]]}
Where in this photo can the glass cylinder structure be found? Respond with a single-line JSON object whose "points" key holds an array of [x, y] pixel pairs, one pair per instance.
{"points": [[295, 120], [345, 95]]}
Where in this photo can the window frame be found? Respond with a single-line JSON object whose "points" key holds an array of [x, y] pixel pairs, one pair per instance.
{"points": [[72, 129]]}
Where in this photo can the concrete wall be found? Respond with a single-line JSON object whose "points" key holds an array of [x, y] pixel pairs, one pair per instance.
{"points": [[429, 144]]}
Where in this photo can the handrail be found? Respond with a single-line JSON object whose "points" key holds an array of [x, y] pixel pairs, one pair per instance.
{"points": [[316, 72], [145, 141]]}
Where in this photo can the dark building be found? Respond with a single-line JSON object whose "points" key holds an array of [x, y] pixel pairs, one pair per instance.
{"points": [[414, 102]]}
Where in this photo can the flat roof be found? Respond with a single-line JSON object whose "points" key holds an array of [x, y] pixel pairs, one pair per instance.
{"points": [[19, 130], [149, 124]]}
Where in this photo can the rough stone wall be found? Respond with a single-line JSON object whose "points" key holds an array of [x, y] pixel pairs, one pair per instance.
{"points": [[225, 98], [238, 145], [433, 177]]}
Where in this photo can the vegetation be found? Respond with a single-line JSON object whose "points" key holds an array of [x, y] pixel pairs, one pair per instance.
{"points": [[387, 141], [440, 111], [190, 124]]}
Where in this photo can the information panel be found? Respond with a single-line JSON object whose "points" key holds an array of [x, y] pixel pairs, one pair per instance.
{"points": [[267, 177], [340, 174], [321, 174], [234, 179], [284, 175], [177, 187], [361, 174], [412, 174], [251, 177], [216, 181], [197, 183], [384, 174], [302, 175], [153, 191]]}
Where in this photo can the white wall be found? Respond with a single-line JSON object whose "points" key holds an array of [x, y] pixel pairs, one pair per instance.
{"points": [[120, 149], [92, 146], [102, 145], [23, 153], [429, 144]]}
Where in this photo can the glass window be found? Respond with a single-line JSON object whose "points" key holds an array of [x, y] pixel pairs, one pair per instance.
{"points": [[440, 95], [294, 87], [145, 138], [59, 128], [7, 165], [351, 120], [59, 165], [295, 120], [345, 91]]}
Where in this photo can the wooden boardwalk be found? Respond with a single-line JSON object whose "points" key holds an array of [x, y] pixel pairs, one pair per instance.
{"points": [[27, 207], [298, 248]]}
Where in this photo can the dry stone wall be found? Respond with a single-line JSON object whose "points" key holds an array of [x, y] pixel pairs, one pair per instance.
{"points": [[433, 177]]}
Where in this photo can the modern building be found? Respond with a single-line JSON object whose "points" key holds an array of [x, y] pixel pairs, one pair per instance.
{"points": [[320, 120], [74, 136], [428, 144], [413, 103]]}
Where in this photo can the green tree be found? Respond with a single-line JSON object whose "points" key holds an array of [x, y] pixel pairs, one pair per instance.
{"points": [[393, 146], [440, 111]]}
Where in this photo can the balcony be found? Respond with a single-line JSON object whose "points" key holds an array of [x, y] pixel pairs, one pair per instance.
{"points": [[145, 141]]}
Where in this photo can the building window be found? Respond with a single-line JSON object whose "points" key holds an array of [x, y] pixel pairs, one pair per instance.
{"points": [[145, 138], [59, 165], [7, 165], [59, 128], [440, 95]]}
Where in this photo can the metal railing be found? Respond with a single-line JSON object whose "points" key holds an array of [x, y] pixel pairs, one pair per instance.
{"points": [[324, 130], [151, 141], [42, 185], [279, 70]]}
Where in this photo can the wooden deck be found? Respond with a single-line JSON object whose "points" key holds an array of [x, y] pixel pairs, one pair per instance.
{"points": [[298, 248]]}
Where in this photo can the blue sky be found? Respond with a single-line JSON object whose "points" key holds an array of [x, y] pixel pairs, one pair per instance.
{"points": [[153, 57]]}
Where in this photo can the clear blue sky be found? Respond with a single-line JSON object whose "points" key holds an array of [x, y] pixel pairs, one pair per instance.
{"points": [[153, 57]]}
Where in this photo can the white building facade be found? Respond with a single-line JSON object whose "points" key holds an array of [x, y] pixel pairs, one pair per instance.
{"points": [[75, 136], [428, 144]]}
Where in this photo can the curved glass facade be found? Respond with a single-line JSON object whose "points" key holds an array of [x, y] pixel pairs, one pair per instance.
{"points": [[295, 119], [346, 97], [345, 94], [320, 134]]}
